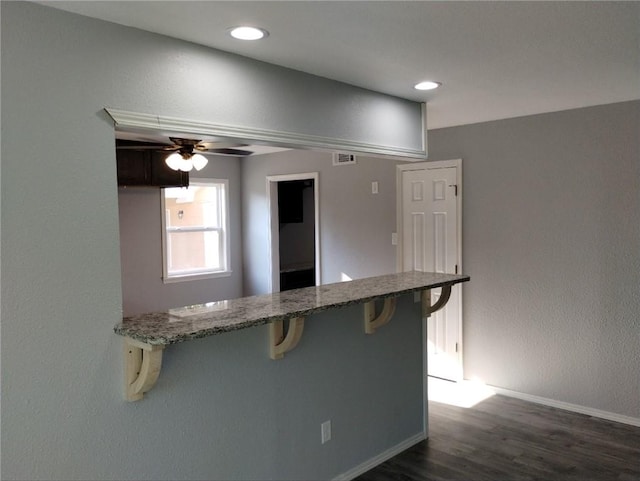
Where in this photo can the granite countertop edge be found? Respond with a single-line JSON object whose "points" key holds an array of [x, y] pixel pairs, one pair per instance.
{"points": [[130, 327]]}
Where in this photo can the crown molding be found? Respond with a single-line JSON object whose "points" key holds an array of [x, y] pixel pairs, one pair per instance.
{"points": [[127, 120]]}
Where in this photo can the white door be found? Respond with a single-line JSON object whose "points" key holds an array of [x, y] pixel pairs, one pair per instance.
{"points": [[430, 243]]}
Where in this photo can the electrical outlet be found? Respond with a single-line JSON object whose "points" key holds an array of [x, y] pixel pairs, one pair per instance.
{"points": [[325, 431], [374, 187]]}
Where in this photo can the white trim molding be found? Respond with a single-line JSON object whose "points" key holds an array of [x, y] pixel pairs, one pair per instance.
{"points": [[381, 458], [576, 408], [127, 120], [425, 144]]}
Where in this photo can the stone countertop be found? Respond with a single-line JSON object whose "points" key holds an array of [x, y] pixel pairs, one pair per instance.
{"points": [[203, 320]]}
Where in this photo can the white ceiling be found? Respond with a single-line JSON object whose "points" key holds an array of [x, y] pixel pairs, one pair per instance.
{"points": [[495, 59]]}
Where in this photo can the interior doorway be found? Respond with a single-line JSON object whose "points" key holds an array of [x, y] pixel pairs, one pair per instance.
{"points": [[430, 231], [294, 230]]}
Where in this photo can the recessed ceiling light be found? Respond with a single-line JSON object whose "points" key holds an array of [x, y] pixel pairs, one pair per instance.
{"points": [[427, 85], [248, 33]]}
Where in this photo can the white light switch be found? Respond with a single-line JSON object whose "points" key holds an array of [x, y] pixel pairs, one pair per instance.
{"points": [[325, 429], [374, 187], [394, 239]]}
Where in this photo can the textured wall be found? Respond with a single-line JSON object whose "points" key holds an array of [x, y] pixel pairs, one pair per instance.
{"points": [[221, 409], [552, 244], [141, 248], [355, 225]]}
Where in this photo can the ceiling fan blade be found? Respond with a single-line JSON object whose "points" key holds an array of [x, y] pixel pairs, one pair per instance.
{"points": [[212, 146], [136, 145], [228, 151], [146, 147], [220, 148]]}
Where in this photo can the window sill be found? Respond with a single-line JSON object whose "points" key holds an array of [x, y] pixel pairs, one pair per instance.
{"points": [[195, 277]]}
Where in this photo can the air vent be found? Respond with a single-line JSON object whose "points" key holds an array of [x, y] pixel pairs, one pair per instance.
{"points": [[343, 159]]}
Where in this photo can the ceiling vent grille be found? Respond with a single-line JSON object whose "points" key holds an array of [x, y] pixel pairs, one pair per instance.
{"points": [[343, 159]]}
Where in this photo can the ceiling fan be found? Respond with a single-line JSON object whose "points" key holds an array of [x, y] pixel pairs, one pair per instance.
{"points": [[186, 152]]}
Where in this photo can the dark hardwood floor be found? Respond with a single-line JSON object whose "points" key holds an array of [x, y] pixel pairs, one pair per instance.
{"points": [[503, 439]]}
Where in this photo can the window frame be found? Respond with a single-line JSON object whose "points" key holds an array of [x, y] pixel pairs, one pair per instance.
{"points": [[200, 274]]}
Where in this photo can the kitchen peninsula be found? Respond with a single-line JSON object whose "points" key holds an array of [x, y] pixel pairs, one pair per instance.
{"points": [[146, 335]]}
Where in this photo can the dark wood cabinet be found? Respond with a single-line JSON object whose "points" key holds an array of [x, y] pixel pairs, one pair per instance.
{"points": [[147, 168], [133, 167]]}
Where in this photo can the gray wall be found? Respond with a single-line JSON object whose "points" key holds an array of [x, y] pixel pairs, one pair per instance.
{"points": [[221, 409], [355, 225], [552, 244], [141, 248]]}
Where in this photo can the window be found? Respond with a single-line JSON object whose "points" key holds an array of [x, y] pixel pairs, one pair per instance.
{"points": [[196, 230]]}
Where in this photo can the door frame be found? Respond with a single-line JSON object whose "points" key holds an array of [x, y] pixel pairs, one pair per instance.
{"points": [[274, 224], [441, 164]]}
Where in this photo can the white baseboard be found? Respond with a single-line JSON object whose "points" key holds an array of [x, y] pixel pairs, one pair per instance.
{"points": [[380, 458], [576, 408]]}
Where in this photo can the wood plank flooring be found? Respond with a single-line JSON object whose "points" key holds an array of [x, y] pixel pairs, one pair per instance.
{"points": [[503, 439]]}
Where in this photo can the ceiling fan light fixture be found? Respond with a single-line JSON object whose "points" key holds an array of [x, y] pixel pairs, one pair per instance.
{"points": [[174, 161], [243, 32], [186, 164], [199, 161], [427, 85], [181, 161]]}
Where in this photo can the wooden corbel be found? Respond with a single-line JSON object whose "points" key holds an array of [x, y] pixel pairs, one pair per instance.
{"points": [[371, 322], [427, 308], [278, 343], [142, 364]]}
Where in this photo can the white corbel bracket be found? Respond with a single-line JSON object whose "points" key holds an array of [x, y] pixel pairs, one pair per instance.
{"points": [[278, 343], [142, 364], [371, 322], [427, 308]]}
